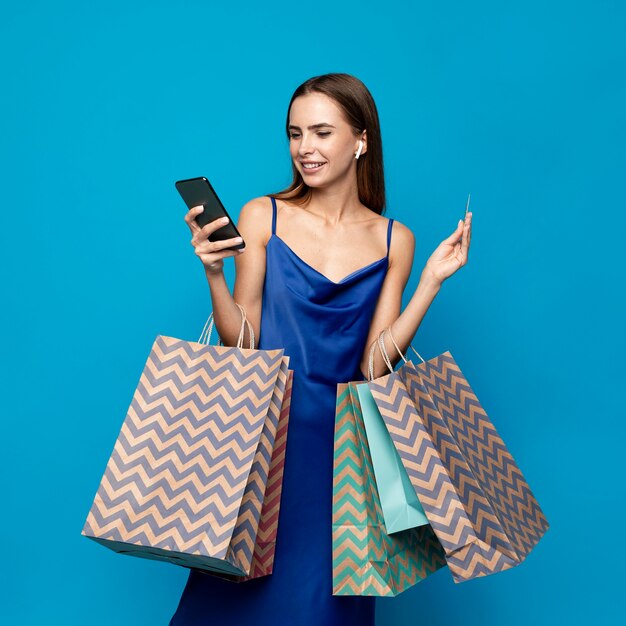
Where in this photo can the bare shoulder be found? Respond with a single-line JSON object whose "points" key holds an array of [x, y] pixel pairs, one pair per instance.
{"points": [[402, 234], [257, 208], [402, 246], [255, 219]]}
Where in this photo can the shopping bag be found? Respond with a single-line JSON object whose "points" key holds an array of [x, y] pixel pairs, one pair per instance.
{"points": [[186, 481], [400, 504], [367, 560], [265, 545], [472, 491]]}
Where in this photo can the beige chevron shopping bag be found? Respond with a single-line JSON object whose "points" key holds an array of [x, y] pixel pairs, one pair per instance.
{"points": [[366, 559], [265, 544], [472, 491], [187, 481]]}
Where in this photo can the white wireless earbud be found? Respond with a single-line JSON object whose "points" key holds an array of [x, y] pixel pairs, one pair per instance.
{"points": [[358, 152]]}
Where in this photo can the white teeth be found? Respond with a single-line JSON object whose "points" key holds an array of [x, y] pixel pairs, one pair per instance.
{"points": [[309, 166]]}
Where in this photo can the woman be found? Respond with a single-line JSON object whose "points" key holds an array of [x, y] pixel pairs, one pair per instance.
{"points": [[322, 274]]}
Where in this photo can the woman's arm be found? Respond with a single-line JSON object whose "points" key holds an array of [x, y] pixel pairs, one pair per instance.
{"points": [[388, 308], [449, 256], [255, 227]]}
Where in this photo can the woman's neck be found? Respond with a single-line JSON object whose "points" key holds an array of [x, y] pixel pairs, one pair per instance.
{"points": [[337, 204]]}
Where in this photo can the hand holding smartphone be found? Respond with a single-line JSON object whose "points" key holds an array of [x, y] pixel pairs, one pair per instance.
{"points": [[215, 237], [198, 191]]}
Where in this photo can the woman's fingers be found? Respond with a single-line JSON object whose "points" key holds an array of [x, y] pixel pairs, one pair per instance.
{"points": [[211, 253], [215, 246], [209, 259], [467, 231], [454, 237], [190, 218], [202, 234], [465, 242]]}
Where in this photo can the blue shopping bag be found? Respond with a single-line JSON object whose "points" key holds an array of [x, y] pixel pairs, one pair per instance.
{"points": [[400, 504]]}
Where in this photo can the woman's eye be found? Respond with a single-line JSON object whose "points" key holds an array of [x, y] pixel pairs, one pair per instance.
{"points": [[321, 134]]}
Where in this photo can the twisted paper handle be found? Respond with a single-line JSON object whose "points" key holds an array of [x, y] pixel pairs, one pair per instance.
{"points": [[207, 331], [383, 350]]}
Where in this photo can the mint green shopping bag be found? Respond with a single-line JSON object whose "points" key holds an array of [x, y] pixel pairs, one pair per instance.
{"points": [[400, 504]]}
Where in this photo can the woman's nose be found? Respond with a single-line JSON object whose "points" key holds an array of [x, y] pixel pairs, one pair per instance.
{"points": [[306, 144]]}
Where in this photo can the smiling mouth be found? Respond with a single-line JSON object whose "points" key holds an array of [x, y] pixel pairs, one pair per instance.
{"points": [[313, 167]]}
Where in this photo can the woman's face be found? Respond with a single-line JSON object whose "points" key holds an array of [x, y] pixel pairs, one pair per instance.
{"points": [[319, 134]]}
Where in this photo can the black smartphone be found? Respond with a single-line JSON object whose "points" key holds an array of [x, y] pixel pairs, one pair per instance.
{"points": [[199, 191]]}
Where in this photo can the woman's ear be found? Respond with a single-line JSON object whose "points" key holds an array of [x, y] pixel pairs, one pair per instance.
{"points": [[361, 147]]}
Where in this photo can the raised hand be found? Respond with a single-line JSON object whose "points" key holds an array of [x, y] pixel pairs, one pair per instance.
{"points": [[451, 254]]}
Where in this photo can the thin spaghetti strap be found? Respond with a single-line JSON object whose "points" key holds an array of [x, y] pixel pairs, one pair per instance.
{"points": [[389, 225], [273, 215]]}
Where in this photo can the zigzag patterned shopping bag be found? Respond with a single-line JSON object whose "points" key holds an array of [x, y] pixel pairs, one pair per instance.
{"points": [[186, 482], [366, 559], [265, 545], [474, 495]]}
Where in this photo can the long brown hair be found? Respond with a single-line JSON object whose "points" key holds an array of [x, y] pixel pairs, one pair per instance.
{"points": [[360, 110]]}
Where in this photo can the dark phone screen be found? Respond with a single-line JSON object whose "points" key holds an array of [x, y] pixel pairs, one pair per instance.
{"points": [[196, 191]]}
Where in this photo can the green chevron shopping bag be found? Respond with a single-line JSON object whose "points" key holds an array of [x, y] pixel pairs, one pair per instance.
{"points": [[367, 560], [400, 505], [195, 474], [474, 495]]}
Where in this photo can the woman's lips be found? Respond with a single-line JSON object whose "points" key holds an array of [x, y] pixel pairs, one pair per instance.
{"points": [[312, 170]]}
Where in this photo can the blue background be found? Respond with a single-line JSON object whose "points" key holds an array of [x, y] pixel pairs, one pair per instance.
{"points": [[104, 107]]}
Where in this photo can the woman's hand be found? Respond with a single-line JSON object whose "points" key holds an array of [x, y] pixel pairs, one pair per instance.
{"points": [[211, 253], [451, 254]]}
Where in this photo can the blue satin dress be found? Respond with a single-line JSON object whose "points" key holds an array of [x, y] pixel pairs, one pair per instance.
{"points": [[323, 326]]}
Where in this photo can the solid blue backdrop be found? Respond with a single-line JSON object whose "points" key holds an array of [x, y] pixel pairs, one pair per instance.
{"points": [[104, 106]]}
